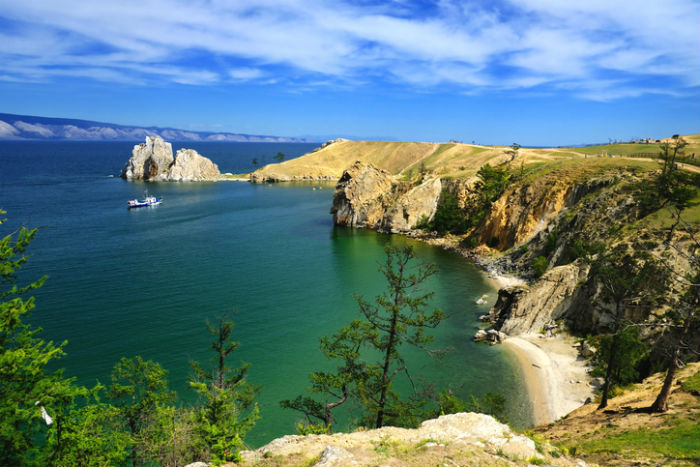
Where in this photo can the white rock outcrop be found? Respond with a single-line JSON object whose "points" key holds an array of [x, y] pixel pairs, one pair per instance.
{"points": [[154, 161], [488, 441], [150, 160], [190, 166]]}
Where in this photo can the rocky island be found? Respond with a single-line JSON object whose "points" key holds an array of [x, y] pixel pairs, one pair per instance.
{"points": [[153, 161]]}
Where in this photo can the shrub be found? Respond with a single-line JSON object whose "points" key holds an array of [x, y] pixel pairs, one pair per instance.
{"points": [[540, 265]]}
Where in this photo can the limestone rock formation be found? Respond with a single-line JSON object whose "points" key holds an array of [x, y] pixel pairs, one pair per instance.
{"points": [[409, 209], [149, 161], [360, 194], [520, 214], [366, 196], [523, 310], [466, 438], [154, 161], [190, 166]]}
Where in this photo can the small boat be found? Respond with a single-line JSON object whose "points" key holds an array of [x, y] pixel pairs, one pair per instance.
{"points": [[147, 201]]}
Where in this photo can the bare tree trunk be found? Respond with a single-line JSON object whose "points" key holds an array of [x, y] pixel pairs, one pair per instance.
{"points": [[385, 372], [611, 360], [661, 402], [608, 373]]}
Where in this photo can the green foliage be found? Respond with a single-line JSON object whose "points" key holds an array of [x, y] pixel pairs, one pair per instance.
{"points": [[227, 410], [631, 353], [449, 217], [551, 244], [423, 223], [625, 279], [279, 157], [540, 265], [25, 383], [90, 434], [675, 445], [493, 181], [397, 317], [672, 186], [584, 249], [139, 388], [491, 403], [692, 384], [368, 350], [312, 429], [344, 347]]}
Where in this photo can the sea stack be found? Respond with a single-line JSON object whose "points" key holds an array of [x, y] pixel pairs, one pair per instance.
{"points": [[150, 160], [154, 161]]}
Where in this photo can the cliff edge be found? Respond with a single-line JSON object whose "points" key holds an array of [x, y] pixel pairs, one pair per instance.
{"points": [[467, 439]]}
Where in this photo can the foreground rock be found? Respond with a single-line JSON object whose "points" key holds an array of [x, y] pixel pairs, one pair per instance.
{"points": [[465, 438], [366, 196], [154, 161]]}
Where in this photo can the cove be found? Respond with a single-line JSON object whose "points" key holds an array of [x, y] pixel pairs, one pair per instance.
{"points": [[142, 282]]}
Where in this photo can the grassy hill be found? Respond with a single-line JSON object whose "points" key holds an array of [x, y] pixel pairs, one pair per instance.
{"points": [[447, 160], [626, 434]]}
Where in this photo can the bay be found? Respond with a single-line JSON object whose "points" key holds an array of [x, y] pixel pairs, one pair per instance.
{"points": [[143, 282]]}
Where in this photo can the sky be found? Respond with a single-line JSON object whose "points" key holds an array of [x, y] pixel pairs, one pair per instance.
{"points": [[536, 72]]}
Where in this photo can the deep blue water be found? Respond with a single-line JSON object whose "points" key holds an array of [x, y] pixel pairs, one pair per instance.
{"points": [[143, 282]]}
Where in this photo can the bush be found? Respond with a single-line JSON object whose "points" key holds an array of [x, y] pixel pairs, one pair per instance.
{"points": [[540, 265], [449, 217]]}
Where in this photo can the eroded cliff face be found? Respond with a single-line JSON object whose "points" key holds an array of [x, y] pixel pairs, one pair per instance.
{"points": [[525, 211], [366, 196], [154, 161], [531, 309]]}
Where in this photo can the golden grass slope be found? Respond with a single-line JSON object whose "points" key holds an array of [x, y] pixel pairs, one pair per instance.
{"points": [[445, 160]]}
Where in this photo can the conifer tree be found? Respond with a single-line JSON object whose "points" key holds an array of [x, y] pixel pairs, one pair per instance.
{"points": [[397, 317], [228, 409], [25, 384], [139, 388]]}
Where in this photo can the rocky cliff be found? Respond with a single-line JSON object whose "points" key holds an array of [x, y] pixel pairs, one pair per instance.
{"points": [[467, 439], [153, 161], [532, 309], [366, 196]]}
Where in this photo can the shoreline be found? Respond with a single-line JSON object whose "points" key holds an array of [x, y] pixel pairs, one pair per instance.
{"points": [[555, 377]]}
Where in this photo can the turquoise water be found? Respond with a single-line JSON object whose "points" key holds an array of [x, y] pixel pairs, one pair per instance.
{"points": [[142, 282]]}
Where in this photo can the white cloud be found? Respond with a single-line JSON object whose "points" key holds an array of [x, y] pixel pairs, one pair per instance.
{"points": [[7, 130], [245, 73], [506, 45], [39, 129]]}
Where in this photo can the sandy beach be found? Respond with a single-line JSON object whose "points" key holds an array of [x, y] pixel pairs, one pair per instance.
{"points": [[555, 377]]}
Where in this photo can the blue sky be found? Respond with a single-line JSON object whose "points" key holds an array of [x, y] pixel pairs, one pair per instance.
{"points": [[539, 72]]}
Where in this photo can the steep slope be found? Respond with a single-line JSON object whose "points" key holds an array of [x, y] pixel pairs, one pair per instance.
{"points": [[626, 434]]}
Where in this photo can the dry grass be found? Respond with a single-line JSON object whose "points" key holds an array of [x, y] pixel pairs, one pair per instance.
{"points": [[626, 434]]}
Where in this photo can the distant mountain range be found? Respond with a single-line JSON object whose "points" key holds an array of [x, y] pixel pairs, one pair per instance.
{"points": [[26, 127]]}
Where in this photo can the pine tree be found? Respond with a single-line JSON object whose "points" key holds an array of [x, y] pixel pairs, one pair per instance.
{"points": [[26, 386], [228, 409], [397, 317], [625, 278], [344, 346], [139, 388]]}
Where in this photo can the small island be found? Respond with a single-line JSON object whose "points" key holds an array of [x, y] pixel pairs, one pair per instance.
{"points": [[154, 161]]}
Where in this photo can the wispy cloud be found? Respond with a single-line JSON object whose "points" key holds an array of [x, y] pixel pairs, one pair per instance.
{"points": [[594, 49]]}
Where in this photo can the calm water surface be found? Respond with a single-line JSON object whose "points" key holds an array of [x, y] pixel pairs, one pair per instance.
{"points": [[143, 282]]}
